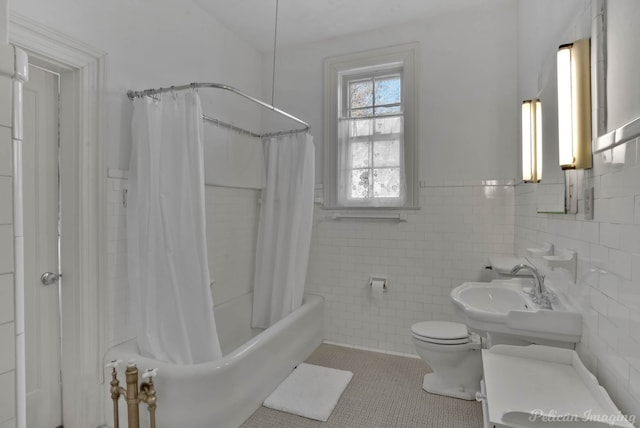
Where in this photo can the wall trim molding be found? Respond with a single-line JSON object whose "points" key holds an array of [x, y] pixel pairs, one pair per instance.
{"points": [[82, 73], [622, 135], [46, 42]]}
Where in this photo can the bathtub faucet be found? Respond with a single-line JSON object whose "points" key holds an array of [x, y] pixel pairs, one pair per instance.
{"points": [[133, 396]]}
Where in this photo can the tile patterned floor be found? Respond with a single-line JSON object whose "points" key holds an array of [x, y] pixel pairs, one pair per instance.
{"points": [[385, 392]]}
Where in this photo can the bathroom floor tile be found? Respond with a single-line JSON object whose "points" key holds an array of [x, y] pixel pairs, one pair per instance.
{"points": [[385, 392]]}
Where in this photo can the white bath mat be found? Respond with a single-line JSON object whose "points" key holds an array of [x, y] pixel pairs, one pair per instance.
{"points": [[310, 391]]}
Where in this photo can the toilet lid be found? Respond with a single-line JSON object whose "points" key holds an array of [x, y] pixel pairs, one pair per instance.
{"points": [[441, 332], [442, 341]]}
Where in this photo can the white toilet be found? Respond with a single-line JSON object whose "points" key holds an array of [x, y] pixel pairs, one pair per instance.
{"points": [[453, 353]]}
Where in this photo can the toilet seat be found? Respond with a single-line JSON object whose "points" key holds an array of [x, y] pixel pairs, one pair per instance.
{"points": [[441, 332], [441, 341]]}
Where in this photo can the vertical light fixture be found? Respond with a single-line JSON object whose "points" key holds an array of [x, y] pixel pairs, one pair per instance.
{"points": [[574, 105], [531, 141]]}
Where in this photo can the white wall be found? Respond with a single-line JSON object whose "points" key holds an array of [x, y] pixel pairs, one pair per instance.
{"points": [[542, 26], [471, 86], [623, 63], [11, 327], [468, 121], [7, 309], [150, 44], [3, 21], [467, 89], [608, 247]]}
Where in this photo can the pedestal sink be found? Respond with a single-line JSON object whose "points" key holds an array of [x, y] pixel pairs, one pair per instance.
{"points": [[504, 307]]}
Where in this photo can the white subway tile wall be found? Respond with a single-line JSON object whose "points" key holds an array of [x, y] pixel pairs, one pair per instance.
{"points": [[232, 229], [6, 154], [7, 356], [11, 423], [6, 298], [445, 243], [6, 87], [608, 284], [7, 310], [6, 210], [231, 232], [442, 245], [7, 398], [6, 248], [118, 319]]}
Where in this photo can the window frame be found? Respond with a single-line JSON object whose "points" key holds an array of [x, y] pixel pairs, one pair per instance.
{"points": [[391, 60]]}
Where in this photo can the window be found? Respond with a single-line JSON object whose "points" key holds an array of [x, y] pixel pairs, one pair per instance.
{"points": [[369, 129], [370, 138]]}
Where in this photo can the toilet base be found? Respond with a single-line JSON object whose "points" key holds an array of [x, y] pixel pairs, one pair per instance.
{"points": [[433, 385]]}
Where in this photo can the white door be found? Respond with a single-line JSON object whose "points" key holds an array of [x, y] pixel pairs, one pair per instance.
{"points": [[41, 201]]}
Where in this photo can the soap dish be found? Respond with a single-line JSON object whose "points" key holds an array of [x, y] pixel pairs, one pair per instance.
{"points": [[546, 250], [566, 259]]}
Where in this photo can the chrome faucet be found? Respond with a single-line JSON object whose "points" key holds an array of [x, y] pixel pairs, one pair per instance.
{"points": [[539, 293]]}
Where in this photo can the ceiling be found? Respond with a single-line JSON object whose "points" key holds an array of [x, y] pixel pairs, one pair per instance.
{"points": [[306, 21]]}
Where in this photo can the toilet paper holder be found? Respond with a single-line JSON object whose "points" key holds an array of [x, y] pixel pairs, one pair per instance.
{"points": [[373, 279]]}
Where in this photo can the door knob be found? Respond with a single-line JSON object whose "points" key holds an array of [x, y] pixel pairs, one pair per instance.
{"points": [[49, 278]]}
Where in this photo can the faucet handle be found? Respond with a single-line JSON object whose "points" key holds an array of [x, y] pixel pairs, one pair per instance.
{"points": [[550, 296], [113, 364], [150, 373]]}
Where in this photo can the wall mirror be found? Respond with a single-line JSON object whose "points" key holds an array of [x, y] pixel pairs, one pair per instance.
{"points": [[550, 191]]}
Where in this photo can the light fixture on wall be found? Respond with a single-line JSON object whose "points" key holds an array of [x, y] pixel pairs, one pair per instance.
{"points": [[531, 141], [574, 105]]}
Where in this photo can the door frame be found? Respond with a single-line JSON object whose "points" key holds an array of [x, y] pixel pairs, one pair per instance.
{"points": [[82, 70]]}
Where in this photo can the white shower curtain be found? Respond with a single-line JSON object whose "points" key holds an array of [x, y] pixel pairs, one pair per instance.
{"points": [[284, 229], [167, 254]]}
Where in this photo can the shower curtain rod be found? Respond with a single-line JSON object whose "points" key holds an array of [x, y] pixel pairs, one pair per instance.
{"points": [[149, 92]]}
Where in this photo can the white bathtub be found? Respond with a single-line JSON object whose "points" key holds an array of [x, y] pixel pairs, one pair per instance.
{"points": [[224, 393]]}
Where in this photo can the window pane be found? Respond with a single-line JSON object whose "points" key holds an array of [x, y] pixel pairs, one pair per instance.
{"points": [[360, 155], [360, 94], [362, 112], [360, 127], [386, 183], [389, 125], [387, 110], [360, 183], [386, 153], [388, 90]]}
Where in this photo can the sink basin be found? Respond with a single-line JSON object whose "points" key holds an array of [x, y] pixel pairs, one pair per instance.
{"points": [[492, 299], [505, 307]]}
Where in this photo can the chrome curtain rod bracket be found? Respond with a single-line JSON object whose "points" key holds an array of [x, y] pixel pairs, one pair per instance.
{"points": [[150, 92]]}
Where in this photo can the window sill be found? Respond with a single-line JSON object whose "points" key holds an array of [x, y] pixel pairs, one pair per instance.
{"points": [[369, 209], [367, 216]]}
